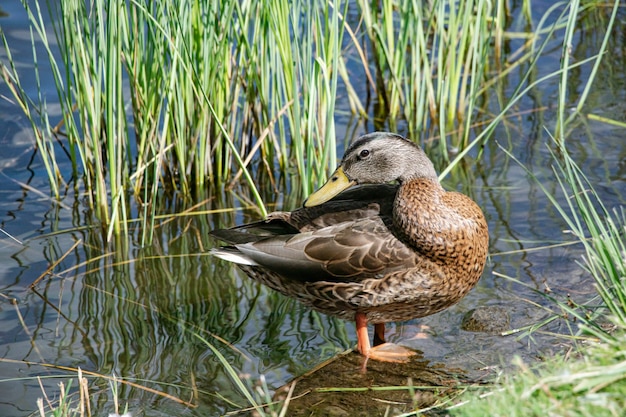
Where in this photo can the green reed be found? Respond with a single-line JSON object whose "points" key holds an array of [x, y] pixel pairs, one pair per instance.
{"points": [[162, 99], [431, 60], [592, 381], [601, 231], [603, 235]]}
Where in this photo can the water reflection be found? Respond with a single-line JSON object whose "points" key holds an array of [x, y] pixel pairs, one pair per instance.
{"points": [[137, 312]]}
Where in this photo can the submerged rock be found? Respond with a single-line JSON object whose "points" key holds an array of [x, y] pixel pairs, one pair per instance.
{"points": [[486, 319]]}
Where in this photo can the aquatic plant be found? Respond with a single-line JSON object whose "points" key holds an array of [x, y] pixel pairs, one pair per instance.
{"points": [[592, 385], [160, 99], [590, 378]]}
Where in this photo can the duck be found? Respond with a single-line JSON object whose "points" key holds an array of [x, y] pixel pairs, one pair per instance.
{"points": [[381, 241]]}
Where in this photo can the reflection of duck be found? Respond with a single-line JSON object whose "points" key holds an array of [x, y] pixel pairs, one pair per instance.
{"points": [[375, 253]]}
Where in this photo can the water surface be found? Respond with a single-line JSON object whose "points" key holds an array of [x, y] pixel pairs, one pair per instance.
{"points": [[136, 312]]}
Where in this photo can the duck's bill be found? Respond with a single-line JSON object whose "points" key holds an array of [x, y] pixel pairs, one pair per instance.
{"points": [[335, 184]]}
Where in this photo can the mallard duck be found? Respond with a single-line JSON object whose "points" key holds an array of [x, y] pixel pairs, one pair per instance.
{"points": [[365, 250]]}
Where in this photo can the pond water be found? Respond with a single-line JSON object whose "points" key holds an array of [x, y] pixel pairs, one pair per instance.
{"points": [[137, 313]]}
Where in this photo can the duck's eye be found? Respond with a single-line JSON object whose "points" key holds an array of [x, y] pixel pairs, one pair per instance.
{"points": [[364, 153]]}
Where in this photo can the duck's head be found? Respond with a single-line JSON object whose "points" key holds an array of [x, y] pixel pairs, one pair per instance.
{"points": [[375, 158]]}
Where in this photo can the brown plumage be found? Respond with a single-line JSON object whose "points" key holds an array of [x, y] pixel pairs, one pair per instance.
{"points": [[375, 253]]}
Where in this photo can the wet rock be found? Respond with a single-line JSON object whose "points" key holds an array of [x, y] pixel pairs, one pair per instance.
{"points": [[486, 319]]}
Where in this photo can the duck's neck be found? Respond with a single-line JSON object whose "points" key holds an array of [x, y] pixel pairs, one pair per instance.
{"points": [[440, 225], [420, 215]]}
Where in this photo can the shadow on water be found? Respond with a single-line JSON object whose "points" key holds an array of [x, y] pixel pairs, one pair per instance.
{"points": [[338, 387]]}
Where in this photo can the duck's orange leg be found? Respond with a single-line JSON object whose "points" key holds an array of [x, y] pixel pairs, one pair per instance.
{"points": [[382, 351], [363, 339]]}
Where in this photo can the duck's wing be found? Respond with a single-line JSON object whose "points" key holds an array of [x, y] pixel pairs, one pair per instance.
{"points": [[360, 202], [368, 201], [252, 232], [346, 252], [349, 238], [359, 250]]}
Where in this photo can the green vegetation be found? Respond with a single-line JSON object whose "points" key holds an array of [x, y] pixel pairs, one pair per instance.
{"points": [[164, 101], [590, 384], [161, 99], [593, 380]]}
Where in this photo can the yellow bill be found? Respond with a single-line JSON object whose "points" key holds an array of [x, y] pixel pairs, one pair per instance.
{"points": [[335, 184]]}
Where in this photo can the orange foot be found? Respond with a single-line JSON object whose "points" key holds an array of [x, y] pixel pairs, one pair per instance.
{"points": [[386, 352], [389, 352]]}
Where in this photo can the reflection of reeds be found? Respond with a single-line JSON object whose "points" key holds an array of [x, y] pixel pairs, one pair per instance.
{"points": [[174, 324], [160, 98]]}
